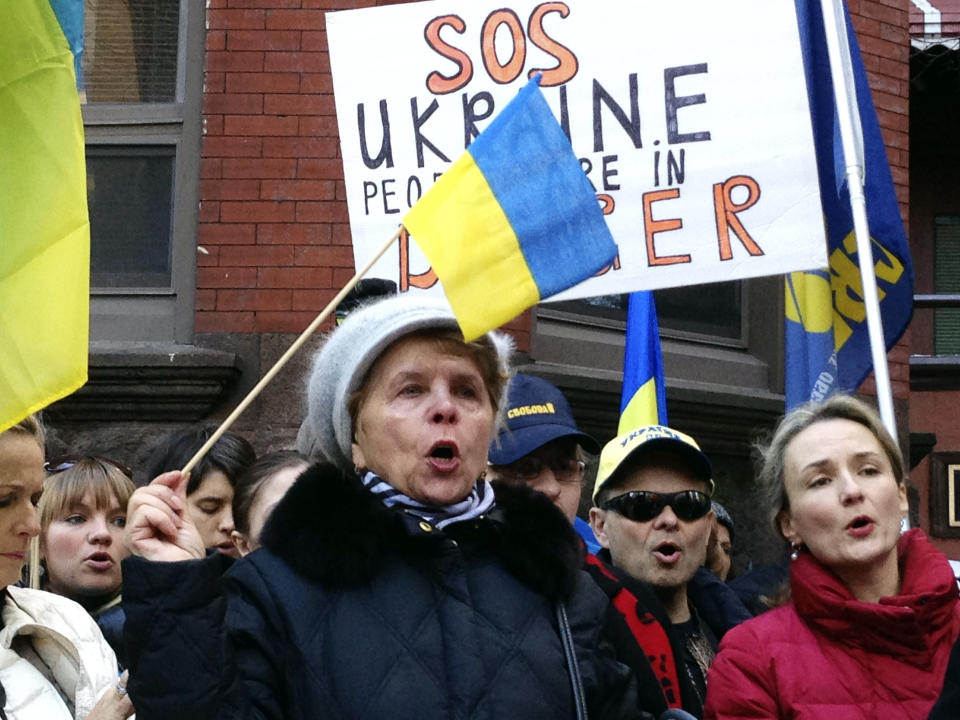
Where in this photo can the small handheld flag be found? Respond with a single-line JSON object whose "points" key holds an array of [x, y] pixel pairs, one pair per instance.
{"points": [[44, 228], [514, 220], [643, 399]]}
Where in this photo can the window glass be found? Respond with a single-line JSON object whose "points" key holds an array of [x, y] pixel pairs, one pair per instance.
{"points": [[129, 192], [130, 51], [713, 310]]}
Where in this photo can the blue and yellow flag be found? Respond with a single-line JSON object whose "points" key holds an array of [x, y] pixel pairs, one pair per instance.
{"points": [[643, 400], [514, 220], [44, 228], [827, 344]]}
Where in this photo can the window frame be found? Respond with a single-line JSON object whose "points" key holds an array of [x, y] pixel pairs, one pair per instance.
{"points": [[581, 344], [159, 314]]}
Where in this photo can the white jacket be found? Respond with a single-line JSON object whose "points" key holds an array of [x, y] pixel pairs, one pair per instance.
{"points": [[69, 642]]}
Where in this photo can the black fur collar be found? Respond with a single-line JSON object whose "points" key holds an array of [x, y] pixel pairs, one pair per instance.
{"points": [[331, 529]]}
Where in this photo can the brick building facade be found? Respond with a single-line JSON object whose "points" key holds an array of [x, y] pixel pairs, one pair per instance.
{"points": [[272, 246]]}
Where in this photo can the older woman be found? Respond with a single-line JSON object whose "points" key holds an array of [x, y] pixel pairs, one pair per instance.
{"points": [[873, 614], [392, 583], [82, 516], [54, 663]]}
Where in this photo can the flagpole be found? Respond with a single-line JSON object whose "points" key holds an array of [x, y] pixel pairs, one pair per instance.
{"points": [[841, 72], [297, 344]]}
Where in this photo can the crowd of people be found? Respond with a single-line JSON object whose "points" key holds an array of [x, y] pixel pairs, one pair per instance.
{"points": [[430, 551]]}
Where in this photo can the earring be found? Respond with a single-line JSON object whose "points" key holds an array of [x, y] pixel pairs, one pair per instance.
{"points": [[794, 550]]}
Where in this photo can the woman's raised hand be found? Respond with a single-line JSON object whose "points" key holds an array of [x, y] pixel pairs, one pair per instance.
{"points": [[158, 524]]}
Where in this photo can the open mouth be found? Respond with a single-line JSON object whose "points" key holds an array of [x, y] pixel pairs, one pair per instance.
{"points": [[444, 456], [100, 561], [442, 451], [860, 526], [667, 551]]}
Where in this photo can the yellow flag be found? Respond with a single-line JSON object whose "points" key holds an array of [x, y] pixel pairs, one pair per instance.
{"points": [[44, 227]]}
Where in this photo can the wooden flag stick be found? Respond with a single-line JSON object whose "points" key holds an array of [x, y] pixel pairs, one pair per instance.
{"points": [[265, 380]]}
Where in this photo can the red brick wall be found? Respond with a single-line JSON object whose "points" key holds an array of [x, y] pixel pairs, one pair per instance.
{"points": [[883, 33], [273, 215]]}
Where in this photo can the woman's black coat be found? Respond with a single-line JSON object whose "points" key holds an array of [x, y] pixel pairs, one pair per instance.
{"points": [[355, 611]]}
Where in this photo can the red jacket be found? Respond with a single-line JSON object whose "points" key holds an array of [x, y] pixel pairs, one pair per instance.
{"points": [[828, 656]]}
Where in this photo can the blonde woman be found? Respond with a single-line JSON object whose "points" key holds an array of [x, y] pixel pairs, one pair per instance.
{"points": [[83, 513], [54, 661], [873, 613]]}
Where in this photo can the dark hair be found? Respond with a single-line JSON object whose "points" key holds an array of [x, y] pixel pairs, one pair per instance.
{"points": [[231, 455], [251, 482]]}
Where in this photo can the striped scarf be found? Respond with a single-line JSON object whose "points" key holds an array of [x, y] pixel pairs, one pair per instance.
{"points": [[479, 501]]}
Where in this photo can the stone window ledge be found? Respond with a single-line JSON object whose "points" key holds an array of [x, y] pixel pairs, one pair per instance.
{"points": [[150, 382], [934, 372]]}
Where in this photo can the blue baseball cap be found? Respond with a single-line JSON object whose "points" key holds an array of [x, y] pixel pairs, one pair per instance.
{"points": [[537, 412]]}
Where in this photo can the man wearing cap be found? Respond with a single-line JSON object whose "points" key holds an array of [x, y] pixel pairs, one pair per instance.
{"points": [[542, 448], [652, 514]]}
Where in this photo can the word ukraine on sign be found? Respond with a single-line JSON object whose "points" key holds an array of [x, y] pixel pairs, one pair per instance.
{"points": [[513, 221], [827, 343], [697, 141]]}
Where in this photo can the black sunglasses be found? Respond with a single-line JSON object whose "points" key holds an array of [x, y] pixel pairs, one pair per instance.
{"points": [[642, 506]]}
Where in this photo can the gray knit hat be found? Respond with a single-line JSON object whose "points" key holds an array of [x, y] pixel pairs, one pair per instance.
{"points": [[347, 356]]}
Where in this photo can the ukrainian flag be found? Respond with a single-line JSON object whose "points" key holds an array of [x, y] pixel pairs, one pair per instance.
{"points": [[643, 398], [44, 228], [514, 220]]}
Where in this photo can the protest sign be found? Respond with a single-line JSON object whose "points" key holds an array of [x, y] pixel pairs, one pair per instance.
{"points": [[690, 119]]}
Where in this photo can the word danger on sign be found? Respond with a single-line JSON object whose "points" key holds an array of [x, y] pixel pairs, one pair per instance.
{"points": [[690, 120]]}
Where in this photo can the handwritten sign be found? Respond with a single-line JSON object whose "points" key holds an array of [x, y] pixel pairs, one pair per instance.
{"points": [[690, 119]]}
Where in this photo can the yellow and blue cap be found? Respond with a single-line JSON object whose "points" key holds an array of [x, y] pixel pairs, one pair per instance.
{"points": [[629, 445]]}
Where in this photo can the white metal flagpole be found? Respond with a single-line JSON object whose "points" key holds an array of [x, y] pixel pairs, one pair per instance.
{"points": [[851, 137]]}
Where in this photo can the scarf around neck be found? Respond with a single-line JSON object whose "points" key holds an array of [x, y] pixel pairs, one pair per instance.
{"points": [[478, 502]]}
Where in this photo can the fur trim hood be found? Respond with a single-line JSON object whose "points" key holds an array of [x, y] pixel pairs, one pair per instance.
{"points": [[332, 530]]}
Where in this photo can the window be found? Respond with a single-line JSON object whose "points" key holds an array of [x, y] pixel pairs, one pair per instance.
{"points": [[142, 82], [711, 311], [946, 280], [724, 338]]}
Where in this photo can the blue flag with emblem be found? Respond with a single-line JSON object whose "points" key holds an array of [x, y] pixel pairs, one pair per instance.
{"points": [[827, 344], [643, 399]]}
